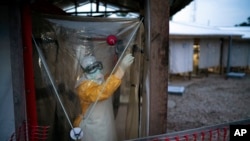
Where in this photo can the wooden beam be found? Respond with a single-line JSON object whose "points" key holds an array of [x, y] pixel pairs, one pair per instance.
{"points": [[157, 16]]}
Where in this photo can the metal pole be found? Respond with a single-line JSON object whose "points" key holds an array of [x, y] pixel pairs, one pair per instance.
{"points": [[229, 54], [29, 71], [148, 41]]}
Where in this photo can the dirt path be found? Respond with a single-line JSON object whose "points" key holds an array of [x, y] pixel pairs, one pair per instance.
{"points": [[208, 101]]}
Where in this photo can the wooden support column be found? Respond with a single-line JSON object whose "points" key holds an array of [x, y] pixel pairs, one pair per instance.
{"points": [[157, 36]]}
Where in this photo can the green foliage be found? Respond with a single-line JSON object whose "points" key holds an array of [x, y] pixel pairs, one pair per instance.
{"points": [[244, 23]]}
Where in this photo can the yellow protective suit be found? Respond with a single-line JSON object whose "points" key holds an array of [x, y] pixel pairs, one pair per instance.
{"points": [[102, 114]]}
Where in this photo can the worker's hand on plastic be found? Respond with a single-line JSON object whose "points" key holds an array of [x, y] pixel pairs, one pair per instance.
{"points": [[126, 62]]}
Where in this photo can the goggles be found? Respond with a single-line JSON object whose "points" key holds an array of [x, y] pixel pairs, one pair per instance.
{"points": [[93, 67]]}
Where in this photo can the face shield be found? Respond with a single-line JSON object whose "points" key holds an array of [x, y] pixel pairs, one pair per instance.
{"points": [[93, 67]]}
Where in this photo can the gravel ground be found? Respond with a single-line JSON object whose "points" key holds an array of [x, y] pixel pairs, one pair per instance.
{"points": [[208, 101]]}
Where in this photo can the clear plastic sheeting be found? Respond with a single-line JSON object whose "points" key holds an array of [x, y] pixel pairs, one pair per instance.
{"points": [[64, 41]]}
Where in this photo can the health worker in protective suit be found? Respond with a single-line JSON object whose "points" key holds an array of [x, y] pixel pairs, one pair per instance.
{"points": [[97, 118]]}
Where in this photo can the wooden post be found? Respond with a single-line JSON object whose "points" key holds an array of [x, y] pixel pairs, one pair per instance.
{"points": [[157, 42]]}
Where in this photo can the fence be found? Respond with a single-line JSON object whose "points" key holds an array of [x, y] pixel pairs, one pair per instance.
{"points": [[38, 133], [219, 132]]}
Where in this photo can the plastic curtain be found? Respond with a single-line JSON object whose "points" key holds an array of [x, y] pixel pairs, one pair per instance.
{"points": [[64, 41]]}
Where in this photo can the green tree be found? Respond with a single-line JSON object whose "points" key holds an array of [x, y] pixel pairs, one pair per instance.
{"points": [[244, 23]]}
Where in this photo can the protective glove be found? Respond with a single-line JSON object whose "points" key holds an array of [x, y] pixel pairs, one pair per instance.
{"points": [[126, 62]]}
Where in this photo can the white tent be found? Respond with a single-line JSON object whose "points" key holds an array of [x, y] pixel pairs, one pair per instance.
{"points": [[182, 37], [181, 52]]}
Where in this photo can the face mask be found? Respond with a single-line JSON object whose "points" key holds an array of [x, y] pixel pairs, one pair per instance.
{"points": [[97, 76]]}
